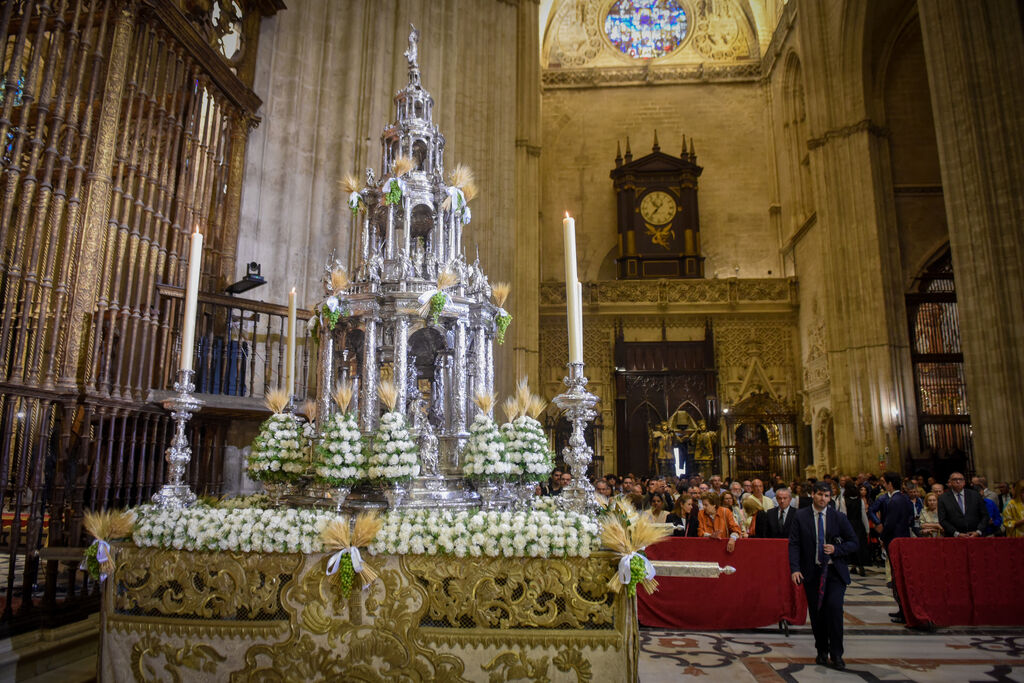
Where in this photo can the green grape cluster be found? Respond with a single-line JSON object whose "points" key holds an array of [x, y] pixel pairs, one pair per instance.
{"points": [[332, 317], [437, 303], [346, 574], [394, 194], [91, 563], [503, 322], [636, 573]]}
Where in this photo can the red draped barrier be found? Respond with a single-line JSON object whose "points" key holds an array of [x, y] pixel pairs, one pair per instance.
{"points": [[760, 593], [959, 581]]}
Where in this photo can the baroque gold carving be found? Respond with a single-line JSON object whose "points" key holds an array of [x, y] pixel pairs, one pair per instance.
{"points": [[542, 612], [514, 594], [194, 656], [242, 586]]}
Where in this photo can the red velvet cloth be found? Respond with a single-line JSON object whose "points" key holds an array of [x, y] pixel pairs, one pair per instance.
{"points": [[959, 581], [760, 593]]}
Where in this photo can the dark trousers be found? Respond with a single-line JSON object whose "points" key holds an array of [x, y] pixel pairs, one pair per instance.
{"points": [[827, 618]]}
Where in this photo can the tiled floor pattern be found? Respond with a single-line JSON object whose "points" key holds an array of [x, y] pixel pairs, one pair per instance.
{"points": [[876, 649]]}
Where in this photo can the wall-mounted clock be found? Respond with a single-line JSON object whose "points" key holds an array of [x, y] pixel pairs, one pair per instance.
{"points": [[659, 227]]}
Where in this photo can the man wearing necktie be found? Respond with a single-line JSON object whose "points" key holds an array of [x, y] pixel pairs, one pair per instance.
{"points": [[962, 512], [820, 540]]}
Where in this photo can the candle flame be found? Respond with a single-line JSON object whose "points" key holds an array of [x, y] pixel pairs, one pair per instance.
{"points": [[196, 231], [293, 290], [567, 215]]}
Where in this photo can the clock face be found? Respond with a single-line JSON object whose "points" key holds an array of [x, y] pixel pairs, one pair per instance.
{"points": [[658, 207]]}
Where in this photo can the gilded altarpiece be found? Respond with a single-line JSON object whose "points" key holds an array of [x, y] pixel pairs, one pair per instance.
{"points": [[176, 615], [753, 321]]}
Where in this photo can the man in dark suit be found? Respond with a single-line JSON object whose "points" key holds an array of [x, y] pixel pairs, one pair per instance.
{"points": [[780, 518], [820, 540], [962, 512], [897, 518]]}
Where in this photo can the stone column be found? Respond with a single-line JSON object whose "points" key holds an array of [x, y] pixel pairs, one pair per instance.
{"points": [[525, 299], [368, 416], [975, 57]]}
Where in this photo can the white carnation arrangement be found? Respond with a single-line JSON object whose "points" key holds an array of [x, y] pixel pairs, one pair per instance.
{"points": [[484, 455], [279, 450], [257, 530], [394, 456], [527, 447], [535, 532], [340, 457]]}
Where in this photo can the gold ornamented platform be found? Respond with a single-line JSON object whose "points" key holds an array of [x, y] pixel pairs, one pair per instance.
{"points": [[184, 616]]}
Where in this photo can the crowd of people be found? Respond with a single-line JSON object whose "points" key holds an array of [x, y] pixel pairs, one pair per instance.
{"points": [[736, 509]]}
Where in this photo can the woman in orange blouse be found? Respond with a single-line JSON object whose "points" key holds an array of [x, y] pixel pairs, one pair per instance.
{"points": [[715, 521]]}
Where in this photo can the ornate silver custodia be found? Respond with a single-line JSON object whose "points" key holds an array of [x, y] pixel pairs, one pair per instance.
{"points": [[578, 405], [406, 230], [176, 494]]}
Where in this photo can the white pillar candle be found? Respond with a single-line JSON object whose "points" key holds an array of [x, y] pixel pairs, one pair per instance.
{"points": [[289, 362], [579, 319], [571, 292], [188, 335]]}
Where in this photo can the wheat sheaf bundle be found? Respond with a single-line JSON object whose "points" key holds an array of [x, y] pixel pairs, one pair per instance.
{"points": [[105, 526], [462, 178], [309, 409], [512, 408], [388, 392], [445, 279], [500, 292], [523, 394], [485, 402], [536, 406], [276, 400], [343, 395], [338, 536], [403, 165], [626, 540], [349, 183], [339, 279]]}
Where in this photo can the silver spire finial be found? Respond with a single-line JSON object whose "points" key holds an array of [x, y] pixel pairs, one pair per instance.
{"points": [[412, 55]]}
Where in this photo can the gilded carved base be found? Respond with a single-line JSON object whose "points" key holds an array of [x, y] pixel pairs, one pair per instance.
{"points": [[181, 616]]}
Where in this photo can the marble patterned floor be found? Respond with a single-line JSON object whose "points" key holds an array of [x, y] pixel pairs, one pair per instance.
{"points": [[876, 649]]}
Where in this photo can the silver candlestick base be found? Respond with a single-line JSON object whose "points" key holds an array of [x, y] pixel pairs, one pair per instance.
{"points": [[175, 494], [578, 405]]}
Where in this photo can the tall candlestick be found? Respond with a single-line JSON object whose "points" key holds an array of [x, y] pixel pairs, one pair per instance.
{"points": [[290, 358], [188, 335], [571, 293]]}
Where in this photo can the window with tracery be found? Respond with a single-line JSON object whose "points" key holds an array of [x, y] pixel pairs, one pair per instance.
{"points": [[646, 29]]}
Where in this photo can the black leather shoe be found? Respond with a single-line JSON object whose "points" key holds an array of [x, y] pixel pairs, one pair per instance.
{"points": [[895, 614], [838, 664], [898, 619], [821, 659]]}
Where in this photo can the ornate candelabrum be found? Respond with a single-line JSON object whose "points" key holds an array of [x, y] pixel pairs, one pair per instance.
{"points": [[578, 404], [176, 494]]}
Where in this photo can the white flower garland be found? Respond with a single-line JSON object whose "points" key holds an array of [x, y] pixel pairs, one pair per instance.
{"points": [[531, 533], [203, 528], [543, 531], [527, 449], [339, 459], [394, 454], [279, 450], [484, 455]]}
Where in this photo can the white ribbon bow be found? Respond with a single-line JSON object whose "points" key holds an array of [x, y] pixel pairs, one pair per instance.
{"points": [[332, 303], [502, 313], [102, 555], [625, 574], [334, 564], [388, 182], [427, 296], [459, 204], [353, 200]]}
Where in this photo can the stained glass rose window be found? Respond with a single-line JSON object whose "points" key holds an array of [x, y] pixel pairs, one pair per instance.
{"points": [[645, 29]]}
